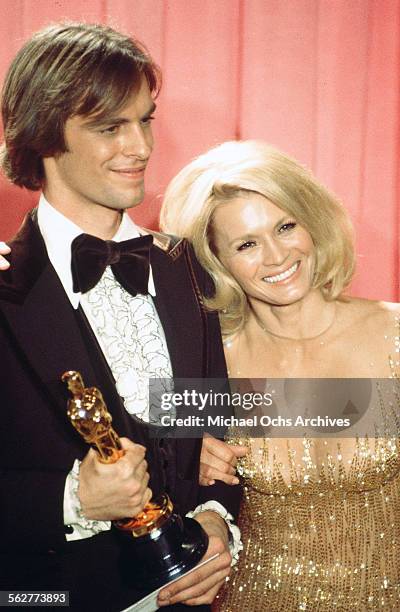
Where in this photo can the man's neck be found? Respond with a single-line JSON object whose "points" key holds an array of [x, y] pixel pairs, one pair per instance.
{"points": [[92, 219]]}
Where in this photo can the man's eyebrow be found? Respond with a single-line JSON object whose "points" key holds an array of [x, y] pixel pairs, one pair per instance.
{"points": [[104, 121], [116, 120]]}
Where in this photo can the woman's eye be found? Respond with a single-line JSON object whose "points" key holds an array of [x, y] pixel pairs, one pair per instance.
{"points": [[286, 227], [246, 245]]}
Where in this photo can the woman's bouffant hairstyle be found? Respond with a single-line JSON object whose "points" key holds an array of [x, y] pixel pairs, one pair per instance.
{"points": [[236, 169], [65, 70]]}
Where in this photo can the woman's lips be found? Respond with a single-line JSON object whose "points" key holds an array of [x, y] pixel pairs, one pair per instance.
{"points": [[276, 278]]}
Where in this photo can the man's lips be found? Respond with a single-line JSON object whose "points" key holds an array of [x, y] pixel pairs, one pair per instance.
{"points": [[130, 172]]}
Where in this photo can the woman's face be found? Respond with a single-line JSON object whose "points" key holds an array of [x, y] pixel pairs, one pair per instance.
{"points": [[264, 249]]}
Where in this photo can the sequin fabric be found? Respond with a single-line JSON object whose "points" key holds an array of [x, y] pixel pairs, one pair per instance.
{"points": [[320, 522]]}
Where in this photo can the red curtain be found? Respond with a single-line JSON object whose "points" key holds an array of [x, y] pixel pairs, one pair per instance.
{"points": [[317, 78]]}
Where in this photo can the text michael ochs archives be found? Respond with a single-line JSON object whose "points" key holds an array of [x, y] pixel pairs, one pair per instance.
{"points": [[255, 401]]}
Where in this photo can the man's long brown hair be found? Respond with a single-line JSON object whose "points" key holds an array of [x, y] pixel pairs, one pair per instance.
{"points": [[65, 70]]}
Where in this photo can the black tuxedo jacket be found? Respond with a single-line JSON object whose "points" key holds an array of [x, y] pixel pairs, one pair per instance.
{"points": [[41, 336]]}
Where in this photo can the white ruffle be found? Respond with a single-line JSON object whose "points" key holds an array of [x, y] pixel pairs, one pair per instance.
{"points": [[132, 339]]}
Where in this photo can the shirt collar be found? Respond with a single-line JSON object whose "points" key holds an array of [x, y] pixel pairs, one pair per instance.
{"points": [[58, 233]]}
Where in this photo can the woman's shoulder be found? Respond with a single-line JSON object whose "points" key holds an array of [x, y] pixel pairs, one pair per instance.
{"points": [[370, 311], [369, 329], [371, 319]]}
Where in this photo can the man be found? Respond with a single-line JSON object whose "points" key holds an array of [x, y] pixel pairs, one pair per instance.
{"points": [[78, 102]]}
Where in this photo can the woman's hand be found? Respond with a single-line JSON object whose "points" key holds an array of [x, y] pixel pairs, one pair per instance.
{"points": [[218, 461], [4, 250]]}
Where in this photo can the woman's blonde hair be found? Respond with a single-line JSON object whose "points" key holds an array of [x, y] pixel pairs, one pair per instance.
{"points": [[232, 169]]}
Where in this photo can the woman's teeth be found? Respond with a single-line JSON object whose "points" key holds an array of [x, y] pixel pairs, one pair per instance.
{"points": [[282, 275]]}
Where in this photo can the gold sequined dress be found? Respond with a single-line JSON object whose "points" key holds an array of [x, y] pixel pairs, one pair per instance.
{"points": [[320, 522]]}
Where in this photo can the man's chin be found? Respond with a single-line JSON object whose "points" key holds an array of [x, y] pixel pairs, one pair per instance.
{"points": [[136, 200], [126, 204]]}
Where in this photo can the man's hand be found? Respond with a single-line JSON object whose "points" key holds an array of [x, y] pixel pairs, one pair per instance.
{"points": [[202, 585], [218, 461], [4, 250], [117, 490]]}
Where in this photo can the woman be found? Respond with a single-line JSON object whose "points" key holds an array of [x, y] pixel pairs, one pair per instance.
{"points": [[320, 517]]}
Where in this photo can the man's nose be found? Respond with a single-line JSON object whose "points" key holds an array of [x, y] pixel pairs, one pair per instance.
{"points": [[138, 143]]}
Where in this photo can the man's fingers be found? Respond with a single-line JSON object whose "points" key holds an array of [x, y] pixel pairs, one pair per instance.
{"points": [[139, 480], [134, 454], [200, 593], [223, 560], [206, 598], [129, 445], [4, 250], [148, 495], [140, 504], [112, 491], [199, 583]]}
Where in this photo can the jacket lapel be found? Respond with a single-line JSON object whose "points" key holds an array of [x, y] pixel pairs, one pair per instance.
{"points": [[179, 313], [40, 317]]}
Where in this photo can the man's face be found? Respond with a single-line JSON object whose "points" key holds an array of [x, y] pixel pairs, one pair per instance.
{"points": [[106, 160]]}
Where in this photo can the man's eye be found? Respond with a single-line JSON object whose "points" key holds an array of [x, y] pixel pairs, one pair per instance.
{"points": [[148, 120], [246, 245], [112, 129], [286, 227]]}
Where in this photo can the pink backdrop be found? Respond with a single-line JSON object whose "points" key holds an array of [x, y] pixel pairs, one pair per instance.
{"points": [[317, 78]]}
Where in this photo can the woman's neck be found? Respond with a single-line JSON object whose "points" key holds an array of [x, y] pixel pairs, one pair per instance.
{"points": [[306, 319]]}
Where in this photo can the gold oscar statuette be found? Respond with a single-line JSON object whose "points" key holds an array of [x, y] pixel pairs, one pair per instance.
{"points": [[158, 543]]}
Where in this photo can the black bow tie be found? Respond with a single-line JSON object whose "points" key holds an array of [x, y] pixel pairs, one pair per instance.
{"points": [[129, 261]]}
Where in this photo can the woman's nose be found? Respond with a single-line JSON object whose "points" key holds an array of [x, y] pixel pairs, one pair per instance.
{"points": [[274, 252]]}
